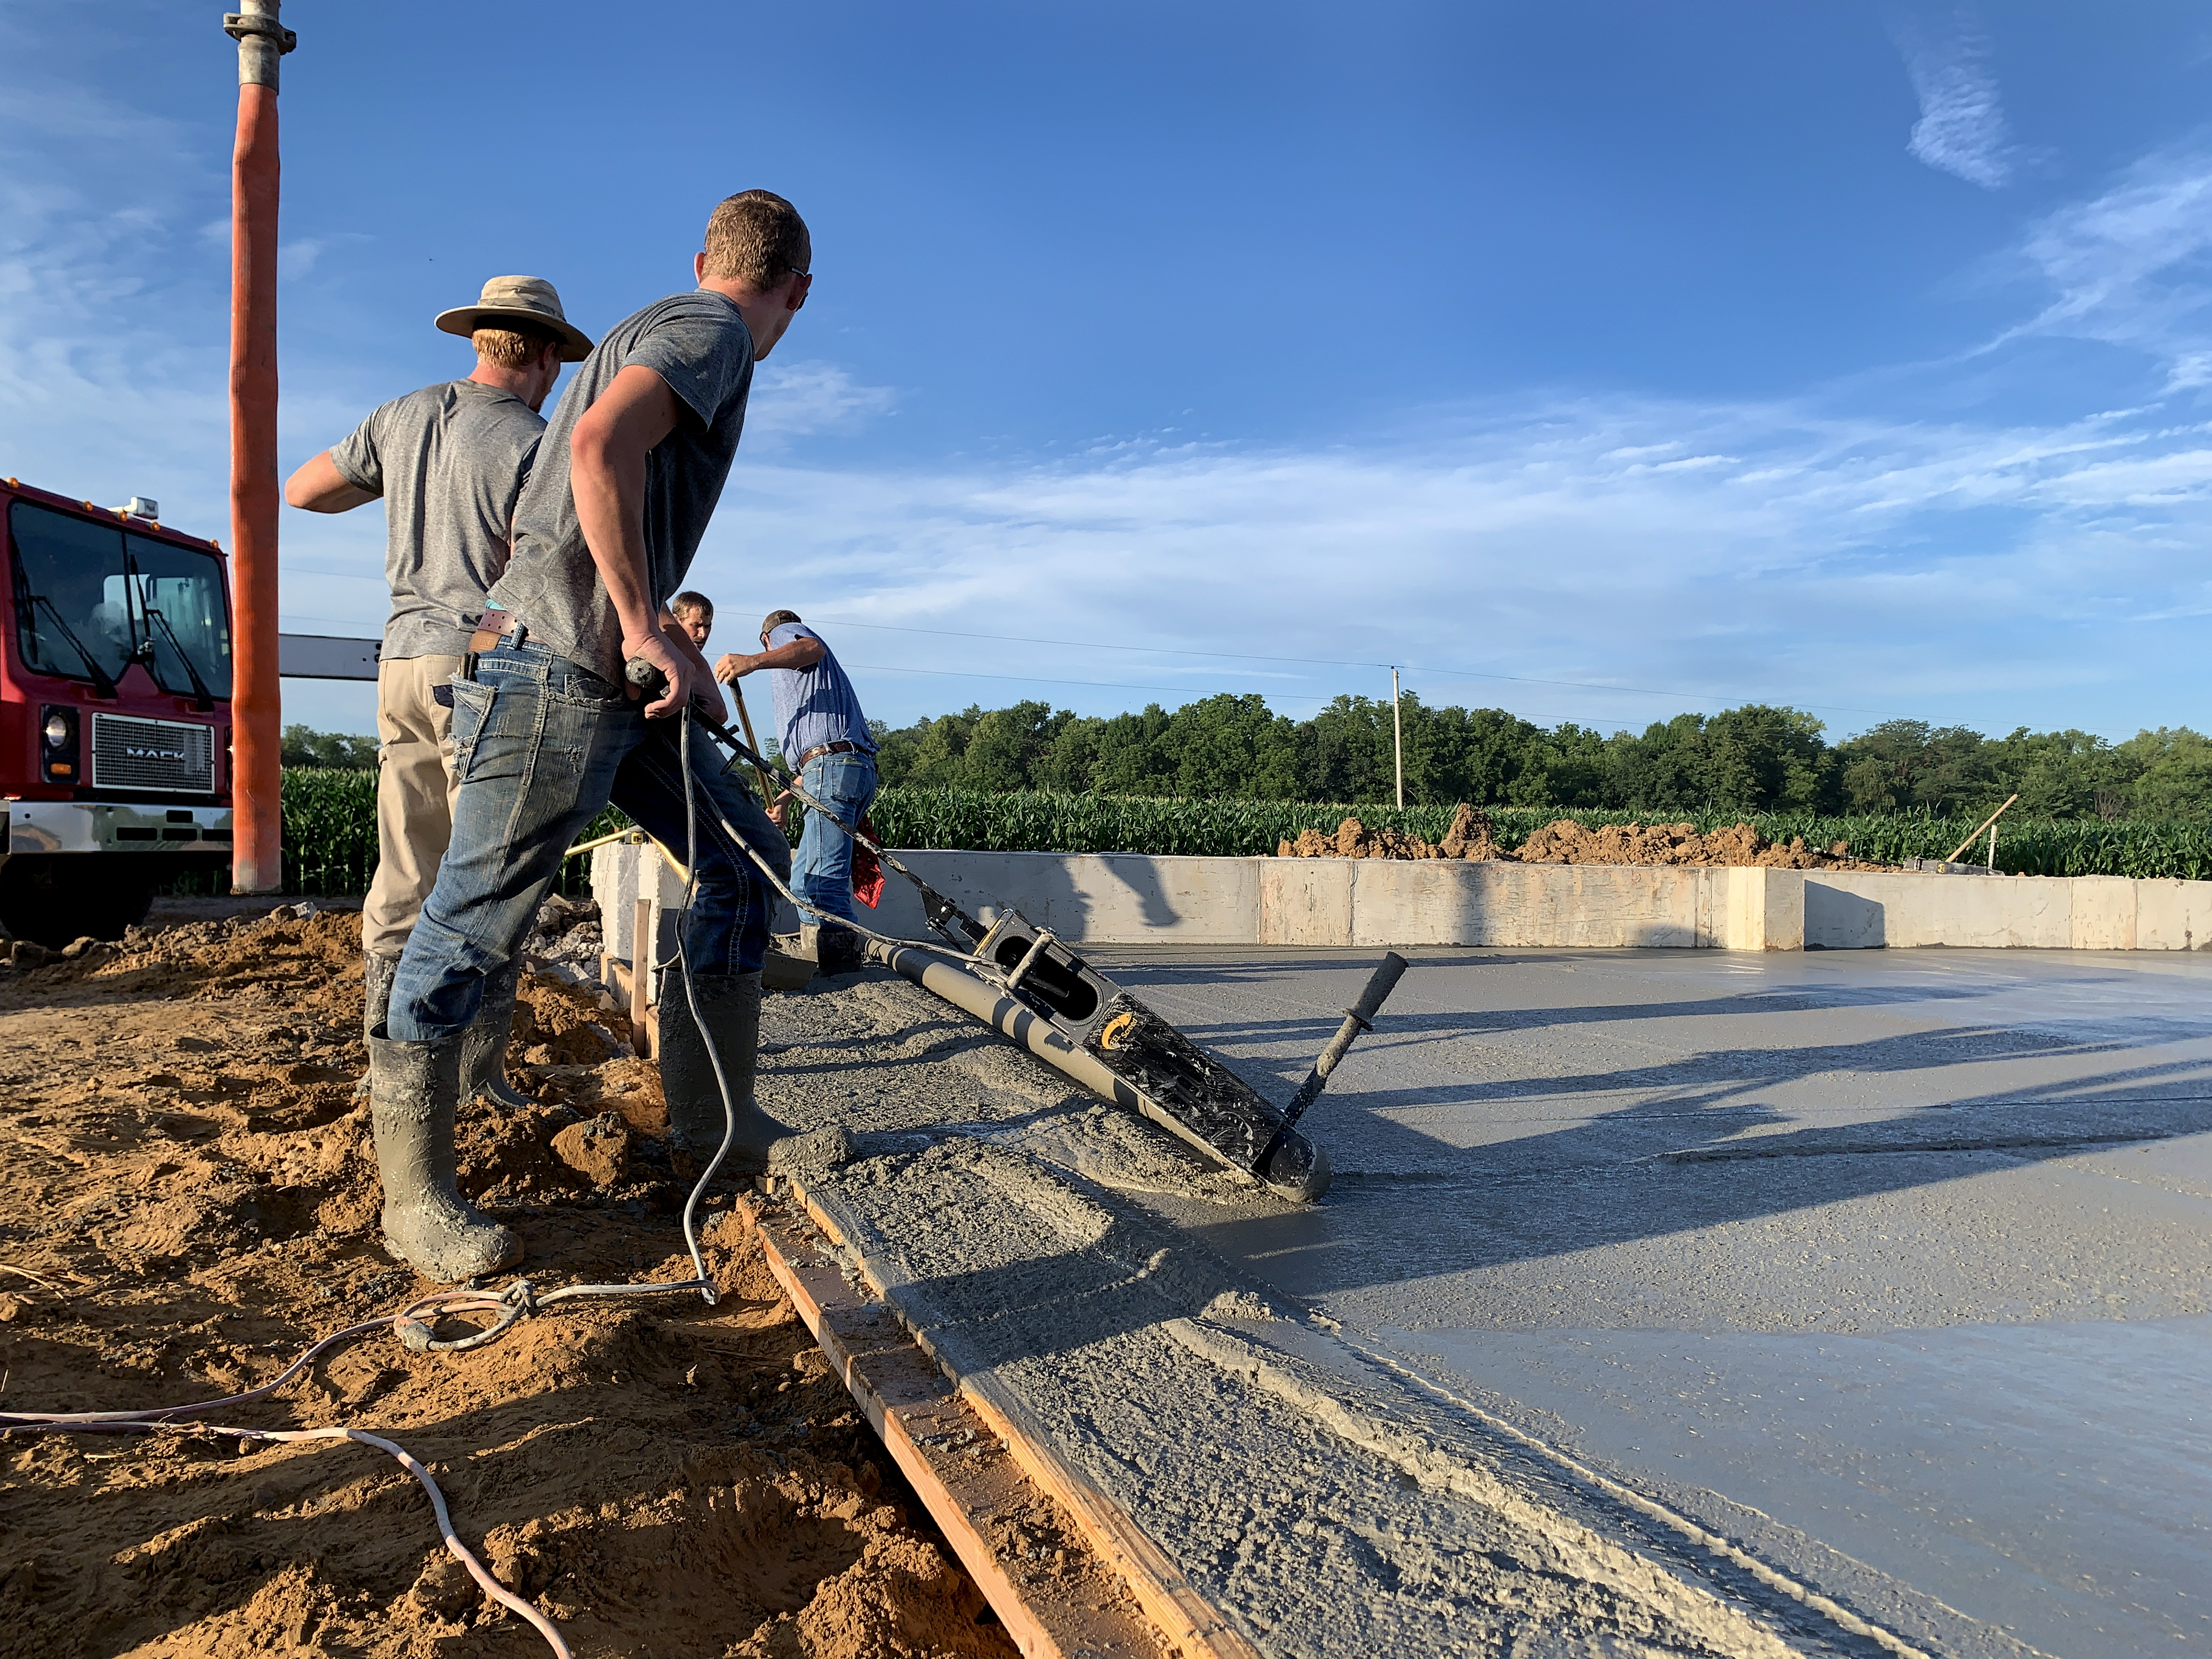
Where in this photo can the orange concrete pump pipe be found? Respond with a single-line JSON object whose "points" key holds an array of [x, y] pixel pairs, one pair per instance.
{"points": [[256, 712]]}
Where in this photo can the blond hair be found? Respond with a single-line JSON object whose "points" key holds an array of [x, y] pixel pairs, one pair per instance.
{"points": [[510, 348], [757, 238]]}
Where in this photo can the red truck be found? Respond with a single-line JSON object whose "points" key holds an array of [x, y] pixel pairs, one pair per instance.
{"points": [[114, 713]]}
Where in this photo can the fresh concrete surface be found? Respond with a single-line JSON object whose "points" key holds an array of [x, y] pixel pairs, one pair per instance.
{"points": [[1324, 1505], [1891, 1267]]}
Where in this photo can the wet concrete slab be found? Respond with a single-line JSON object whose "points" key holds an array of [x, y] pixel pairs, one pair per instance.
{"points": [[1893, 1265]]}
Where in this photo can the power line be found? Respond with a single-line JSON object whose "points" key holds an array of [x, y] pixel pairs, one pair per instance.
{"points": [[337, 575], [1639, 690], [1225, 656], [1093, 644], [1036, 679], [1315, 662]]}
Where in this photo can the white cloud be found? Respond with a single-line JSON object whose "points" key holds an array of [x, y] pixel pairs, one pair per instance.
{"points": [[2133, 266], [296, 259], [792, 400], [1961, 128], [1815, 558], [111, 305]]}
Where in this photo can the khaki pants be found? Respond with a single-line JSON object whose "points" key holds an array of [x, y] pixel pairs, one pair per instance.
{"points": [[414, 790]]}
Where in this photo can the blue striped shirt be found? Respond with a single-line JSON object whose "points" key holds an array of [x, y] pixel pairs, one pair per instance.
{"points": [[817, 705]]}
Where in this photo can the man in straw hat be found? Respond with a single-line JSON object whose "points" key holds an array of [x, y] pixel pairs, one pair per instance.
{"points": [[550, 728], [448, 462]]}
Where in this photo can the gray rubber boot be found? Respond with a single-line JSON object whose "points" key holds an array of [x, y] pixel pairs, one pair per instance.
{"points": [[483, 1045], [837, 952], [376, 976], [377, 973], [729, 1006], [427, 1223]]}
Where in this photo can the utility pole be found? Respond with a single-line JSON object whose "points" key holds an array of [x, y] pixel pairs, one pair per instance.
{"points": [[256, 858], [1398, 738]]}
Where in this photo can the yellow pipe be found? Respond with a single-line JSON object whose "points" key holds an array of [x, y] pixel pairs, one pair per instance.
{"points": [[632, 835], [682, 874], [586, 845]]}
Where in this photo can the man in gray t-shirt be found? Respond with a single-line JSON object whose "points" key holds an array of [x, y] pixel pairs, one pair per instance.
{"points": [[448, 462], [697, 347], [548, 731]]}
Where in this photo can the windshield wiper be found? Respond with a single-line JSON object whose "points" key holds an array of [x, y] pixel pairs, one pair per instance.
{"points": [[203, 699], [101, 682]]}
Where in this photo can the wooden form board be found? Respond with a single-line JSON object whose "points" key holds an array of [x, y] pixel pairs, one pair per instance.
{"points": [[629, 989], [974, 1487], [1166, 1595]]}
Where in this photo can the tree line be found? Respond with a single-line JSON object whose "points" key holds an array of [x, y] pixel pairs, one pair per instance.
{"points": [[1756, 758]]}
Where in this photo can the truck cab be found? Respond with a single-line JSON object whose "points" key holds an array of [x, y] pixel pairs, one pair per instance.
{"points": [[115, 685]]}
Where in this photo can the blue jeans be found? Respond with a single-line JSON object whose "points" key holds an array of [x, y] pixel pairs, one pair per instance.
{"points": [[541, 745], [846, 784]]}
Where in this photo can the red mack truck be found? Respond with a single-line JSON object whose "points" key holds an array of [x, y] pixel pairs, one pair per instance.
{"points": [[114, 713]]}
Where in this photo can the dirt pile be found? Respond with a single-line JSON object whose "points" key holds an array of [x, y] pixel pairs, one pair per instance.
{"points": [[1468, 837], [188, 1200], [1566, 842]]}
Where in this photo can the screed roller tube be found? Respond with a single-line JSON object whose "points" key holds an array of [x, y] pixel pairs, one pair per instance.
{"points": [[1292, 1167]]}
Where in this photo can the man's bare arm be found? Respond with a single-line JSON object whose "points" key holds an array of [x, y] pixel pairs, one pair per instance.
{"points": [[801, 652], [606, 460], [319, 487]]}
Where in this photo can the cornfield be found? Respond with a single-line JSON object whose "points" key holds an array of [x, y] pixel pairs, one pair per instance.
{"points": [[1089, 824], [330, 830]]}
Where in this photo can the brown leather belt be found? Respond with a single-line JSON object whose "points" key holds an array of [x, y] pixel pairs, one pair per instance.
{"points": [[491, 627], [840, 747]]}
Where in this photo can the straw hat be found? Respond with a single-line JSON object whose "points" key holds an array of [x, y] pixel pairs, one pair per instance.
{"points": [[521, 299]]}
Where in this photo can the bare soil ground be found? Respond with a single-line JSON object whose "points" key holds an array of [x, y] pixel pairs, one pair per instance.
{"points": [[188, 1200], [1566, 842]]}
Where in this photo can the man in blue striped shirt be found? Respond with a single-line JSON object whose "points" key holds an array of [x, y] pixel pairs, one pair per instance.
{"points": [[825, 740]]}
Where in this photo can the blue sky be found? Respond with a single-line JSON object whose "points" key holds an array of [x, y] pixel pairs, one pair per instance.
{"points": [[1595, 360]]}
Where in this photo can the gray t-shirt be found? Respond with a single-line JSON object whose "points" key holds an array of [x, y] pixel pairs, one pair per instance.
{"points": [[449, 461], [699, 345]]}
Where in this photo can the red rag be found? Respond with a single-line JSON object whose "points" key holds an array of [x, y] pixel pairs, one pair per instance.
{"points": [[868, 869]]}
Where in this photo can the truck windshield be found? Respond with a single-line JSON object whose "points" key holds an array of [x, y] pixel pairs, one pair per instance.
{"points": [[86, 591], [182, 623]]}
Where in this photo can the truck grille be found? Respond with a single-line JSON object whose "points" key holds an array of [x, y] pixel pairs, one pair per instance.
{"points": [[163, 755]]}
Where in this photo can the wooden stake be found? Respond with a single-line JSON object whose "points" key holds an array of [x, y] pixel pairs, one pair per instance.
{"points": [[641, 945], [1989, 822], [768, 788]]}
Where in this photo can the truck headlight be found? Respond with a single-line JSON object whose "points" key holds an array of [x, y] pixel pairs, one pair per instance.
{"points": [[57, 761]]}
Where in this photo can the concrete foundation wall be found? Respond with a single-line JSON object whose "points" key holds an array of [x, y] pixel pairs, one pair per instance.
{"points": [[1122, 898]]}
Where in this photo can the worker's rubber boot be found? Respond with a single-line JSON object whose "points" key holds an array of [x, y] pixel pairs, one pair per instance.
{"points": [[784, 970], [413, 1087], [483, 1045], [837, 951], [377, 972], [729, 1007]]}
